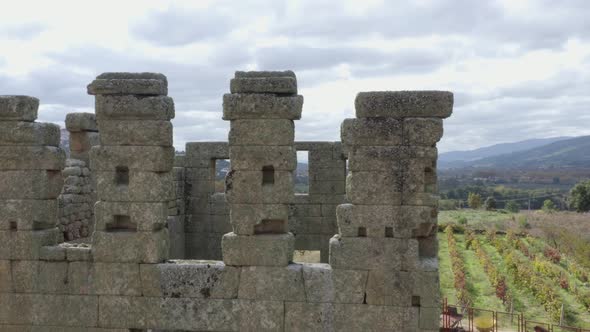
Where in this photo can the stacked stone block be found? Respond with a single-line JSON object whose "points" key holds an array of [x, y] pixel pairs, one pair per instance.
{"points": [[76, 201], [176, 210], [312, 217], [133, 167], [207, 216], [389, 227], [83, 135], [30, 180], [259, 187]]}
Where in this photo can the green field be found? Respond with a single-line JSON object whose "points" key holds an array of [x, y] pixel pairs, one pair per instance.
{"points": [[527, 247]]}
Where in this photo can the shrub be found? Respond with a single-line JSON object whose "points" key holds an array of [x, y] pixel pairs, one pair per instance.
{"points": [[512, 206], [548, 206], [490, 203], [474, 200], [580, 196]]}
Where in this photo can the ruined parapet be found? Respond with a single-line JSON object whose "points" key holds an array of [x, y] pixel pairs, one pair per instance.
{"points": [[30, 181], [207, 213], [389, 227], [133, 167], [78, 195], [176, 210], [76, 201], [83, 135], [259, 187]]}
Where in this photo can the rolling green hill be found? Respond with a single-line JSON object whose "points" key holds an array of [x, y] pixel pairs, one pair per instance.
{"points": [[568, 153]]}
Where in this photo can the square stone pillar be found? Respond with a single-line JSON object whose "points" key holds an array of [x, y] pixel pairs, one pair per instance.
{"points": [[259, 188], [389, 228], [133, 167], [83, 135], [30, 180]]}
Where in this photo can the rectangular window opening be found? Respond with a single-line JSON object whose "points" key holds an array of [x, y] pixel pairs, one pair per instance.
{"points": [[121, 223], [13, 226], [122, 175], [301, 174], [415, 301], [222, 167], [306, 256], [388, 231], [362, 232], [268, 175]]}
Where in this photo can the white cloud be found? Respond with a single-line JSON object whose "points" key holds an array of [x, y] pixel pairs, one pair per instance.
{"points": [[519, 69]]}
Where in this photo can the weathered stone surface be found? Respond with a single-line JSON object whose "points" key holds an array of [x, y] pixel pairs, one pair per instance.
{"points": [[168, 313], [261, 106], [132, 247], [275, 84], [264, 73], [129, 84], [272, 283], [422, 131], [324, 284], [403, 104], [253, 158], [367, 253], [55, 310], [143, 187], [327, 187], [40, 277], [258, 250], [386, 158], [5, 277], [383, 188], [144, 216], [26, 244], [426, 286], [301, 316], [244, 217], [135, 132], [429, 318], [202, 154], [247, 187], [194, 279], [52, 253], [115, 279], [261, 315], [419, 199], [18, 108], [371, 132], [28, 133], [135, 158], [375, 219], [31, 158], [418, 221], [261, 132], [389, 287], [134, 108], [82, 141], [30, 184], [78, 252], [28, 214], [76, 122]]}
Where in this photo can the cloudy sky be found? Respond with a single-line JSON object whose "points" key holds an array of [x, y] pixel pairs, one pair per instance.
{"points": [[519, 69]]}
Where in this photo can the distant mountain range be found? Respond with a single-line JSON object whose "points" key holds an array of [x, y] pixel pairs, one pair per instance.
{"points": [[556, 152]]}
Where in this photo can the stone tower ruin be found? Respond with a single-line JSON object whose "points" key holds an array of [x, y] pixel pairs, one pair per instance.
{"points": [[170, 252]]}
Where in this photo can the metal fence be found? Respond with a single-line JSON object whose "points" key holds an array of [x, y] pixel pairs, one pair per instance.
{"points": [[458, 318]]}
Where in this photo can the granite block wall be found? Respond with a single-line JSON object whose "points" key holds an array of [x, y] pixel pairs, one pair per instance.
{"points": [[382, 271]]}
